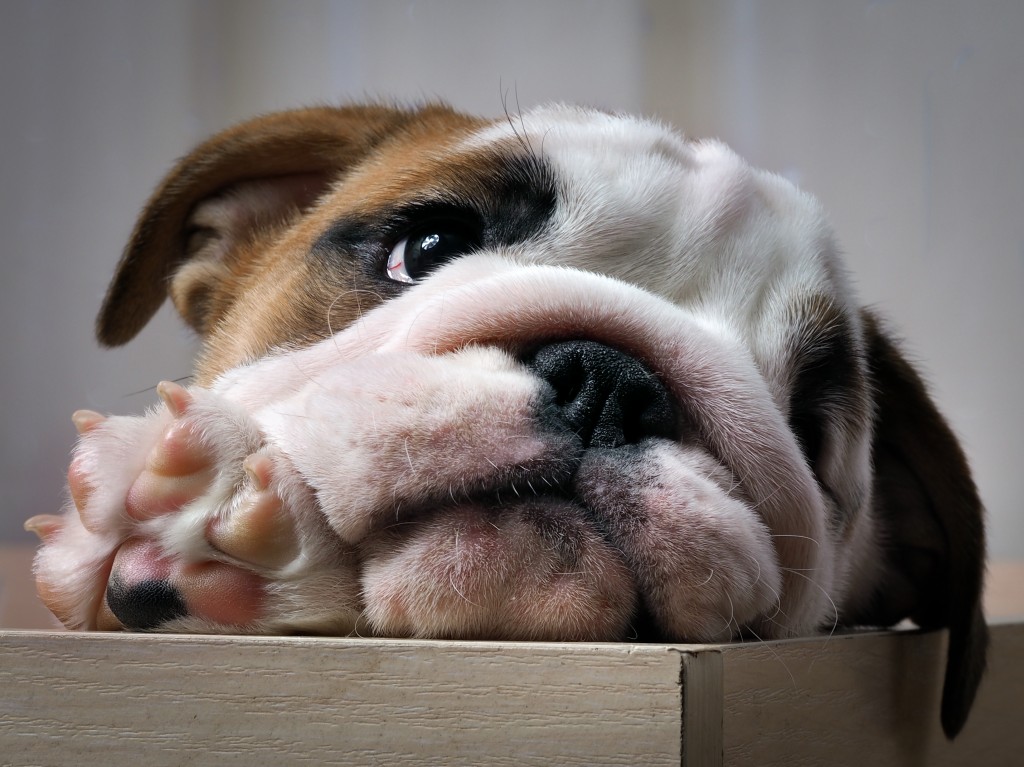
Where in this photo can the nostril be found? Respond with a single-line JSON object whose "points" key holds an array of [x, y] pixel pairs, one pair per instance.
{"points": [[607, 397]]}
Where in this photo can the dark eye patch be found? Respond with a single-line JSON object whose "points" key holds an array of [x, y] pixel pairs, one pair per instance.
{"points": [[491, 204]]}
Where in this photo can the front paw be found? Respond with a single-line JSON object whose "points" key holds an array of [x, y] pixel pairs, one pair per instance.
{"points": [[74, 562], [185, 520]]}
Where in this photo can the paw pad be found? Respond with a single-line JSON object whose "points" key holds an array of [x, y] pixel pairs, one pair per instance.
{"points": [[145, 605]]}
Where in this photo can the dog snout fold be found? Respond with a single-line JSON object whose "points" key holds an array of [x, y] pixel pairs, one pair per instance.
{"points": [[603, 395]]}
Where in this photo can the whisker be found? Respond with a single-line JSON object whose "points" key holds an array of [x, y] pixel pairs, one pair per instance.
{"points": [[153, 387], [408, 457], [777, 657], [522, 123], [835, 608], [794, 535]]}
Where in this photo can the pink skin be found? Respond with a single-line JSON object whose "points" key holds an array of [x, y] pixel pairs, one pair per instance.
{"points": [[177, 470], [298, 563]]}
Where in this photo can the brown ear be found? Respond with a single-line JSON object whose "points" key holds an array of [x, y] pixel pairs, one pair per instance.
{"points": [[290, 158], [931, 526]]}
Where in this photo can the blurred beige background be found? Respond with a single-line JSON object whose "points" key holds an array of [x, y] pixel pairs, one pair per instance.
{"points": [[906, 118]]}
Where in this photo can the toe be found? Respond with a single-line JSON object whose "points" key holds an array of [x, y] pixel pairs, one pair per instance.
{"points": [[175, 397], [178, 470], [260, 531], [86, 420], [152, 495], [78, 484], [44, 525], [179, 451]]}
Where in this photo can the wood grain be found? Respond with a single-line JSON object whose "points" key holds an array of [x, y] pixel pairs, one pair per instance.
{"points": [[868, 699], [110, 699], [863, 698], [855, 699]]}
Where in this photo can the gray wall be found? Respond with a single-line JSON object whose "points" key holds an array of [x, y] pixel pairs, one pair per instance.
{"points": [[98, 98], [907, 118]]}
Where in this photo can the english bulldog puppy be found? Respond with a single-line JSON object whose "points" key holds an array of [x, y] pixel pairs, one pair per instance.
{"points": [[562, 376]]}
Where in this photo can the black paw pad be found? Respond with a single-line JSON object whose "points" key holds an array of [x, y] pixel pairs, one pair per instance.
{"points": [[144, 605]]}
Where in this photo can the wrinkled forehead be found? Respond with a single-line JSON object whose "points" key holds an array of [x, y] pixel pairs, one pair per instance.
{"points": [[684, 218], [569, 184], [611, 152], [594, 164], [623, 169], [579, 137]]}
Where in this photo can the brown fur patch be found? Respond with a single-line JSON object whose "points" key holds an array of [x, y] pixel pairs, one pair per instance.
{"points": [[270, 293], [321, 140]]}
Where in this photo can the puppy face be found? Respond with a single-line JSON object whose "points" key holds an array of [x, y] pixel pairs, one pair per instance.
{"points": [[575, 378]]}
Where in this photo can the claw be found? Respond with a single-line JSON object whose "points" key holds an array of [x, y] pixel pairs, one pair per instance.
{"points": [[87, 420], [258, 468], [175, 397], [44, 525], [78, 485], [178, 453]]}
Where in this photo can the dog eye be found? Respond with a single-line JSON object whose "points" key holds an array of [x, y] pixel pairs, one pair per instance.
{"points": [[415, 255]]}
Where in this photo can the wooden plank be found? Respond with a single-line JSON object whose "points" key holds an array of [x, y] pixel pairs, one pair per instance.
{"points": [[868, 699], [702, 708], [123, 699], [865, 698]]}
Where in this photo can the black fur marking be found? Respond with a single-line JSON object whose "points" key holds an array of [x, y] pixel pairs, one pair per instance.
{"points": [[508, 203], [829, 396]]}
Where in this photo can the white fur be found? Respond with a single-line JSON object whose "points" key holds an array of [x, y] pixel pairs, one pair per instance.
{"points": [[678, 253]]}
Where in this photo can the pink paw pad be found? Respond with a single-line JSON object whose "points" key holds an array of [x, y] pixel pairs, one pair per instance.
{"points": [[147, 590], [128, 560]]}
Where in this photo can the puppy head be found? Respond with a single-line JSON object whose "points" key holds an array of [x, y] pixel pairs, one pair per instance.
{"points": [[804, 466]]}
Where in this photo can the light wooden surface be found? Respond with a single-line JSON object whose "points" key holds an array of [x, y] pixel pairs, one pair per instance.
{"points": [[859, 699], [150, 700], [863, 699], [869, 700]]}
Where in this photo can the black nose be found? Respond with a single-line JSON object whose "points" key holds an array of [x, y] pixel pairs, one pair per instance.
{"points": [[606, 397]]}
